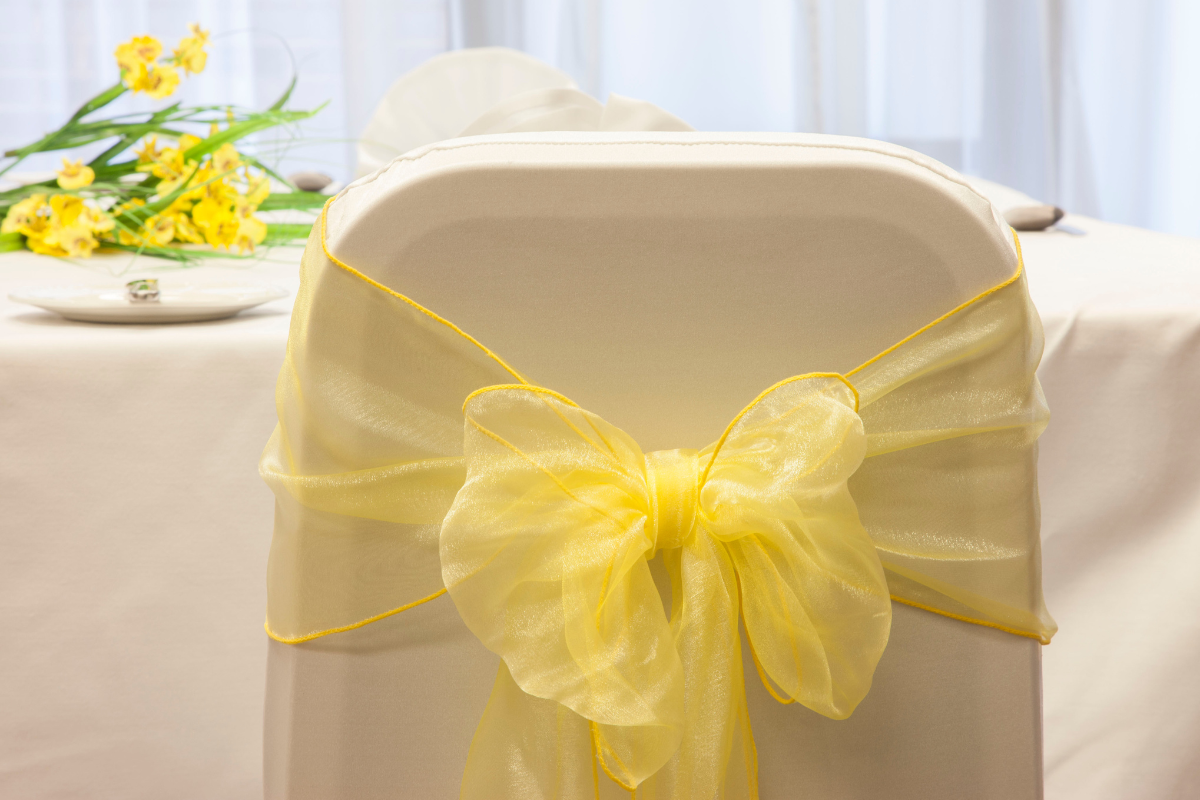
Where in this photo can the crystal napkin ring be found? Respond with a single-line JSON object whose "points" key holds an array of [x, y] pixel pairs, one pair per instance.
{"points": [[144, 290]]}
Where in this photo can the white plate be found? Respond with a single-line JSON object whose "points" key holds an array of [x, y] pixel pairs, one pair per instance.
{"points": [[176, 304]]}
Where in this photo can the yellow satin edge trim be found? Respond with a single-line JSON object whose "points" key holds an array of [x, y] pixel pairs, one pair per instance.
{"points": [[600, 757], [729, 428], [410, 301], [310, 636], [952, 312], [529, 387], [1014, 631]]}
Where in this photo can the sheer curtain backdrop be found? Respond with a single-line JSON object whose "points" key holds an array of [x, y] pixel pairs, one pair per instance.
{"points": [[1092, 104]]}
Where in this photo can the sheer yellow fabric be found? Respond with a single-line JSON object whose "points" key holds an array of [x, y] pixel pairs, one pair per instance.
{"points": [[913, 476], [545, 553]]}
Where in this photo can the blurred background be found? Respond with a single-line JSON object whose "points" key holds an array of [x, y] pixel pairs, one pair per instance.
{"points": [[1093, 105]]}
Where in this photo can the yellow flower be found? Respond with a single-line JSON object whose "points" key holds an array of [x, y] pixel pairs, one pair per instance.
{"points": [[210, 211], [198, 33], [74, 175], [149, 152], [38, 245], [217, 220], [223, 232], [138, 51], [132, 202], [75, 241], [65, 226], [158, 81], [171, 168], [251, 231], [187, 141], [226, 158], [185, 231], [96, 219], [190, 55], [28, 216], [65, 210], [182, 205], [258, 190], [159, 230]]}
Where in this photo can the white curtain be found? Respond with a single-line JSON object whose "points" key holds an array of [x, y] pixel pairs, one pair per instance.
{"points": [[1091, 104]]}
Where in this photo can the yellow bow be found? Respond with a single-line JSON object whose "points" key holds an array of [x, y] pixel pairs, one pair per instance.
{"points": [[547, 554]]}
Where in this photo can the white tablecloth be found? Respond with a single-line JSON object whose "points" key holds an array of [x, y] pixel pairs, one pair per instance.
{"points": [[135, 531], [133, 542], [1120, 487]]}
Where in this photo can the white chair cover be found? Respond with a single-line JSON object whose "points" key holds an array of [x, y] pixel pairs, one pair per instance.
{"points": [[443, 95], [753, 257]]}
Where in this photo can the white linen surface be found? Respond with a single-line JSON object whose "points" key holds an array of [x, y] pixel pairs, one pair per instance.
{"points": [[133, 542], [133, 549]]}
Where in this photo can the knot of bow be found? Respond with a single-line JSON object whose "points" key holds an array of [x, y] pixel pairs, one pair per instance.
{"points": [[546, 553]]}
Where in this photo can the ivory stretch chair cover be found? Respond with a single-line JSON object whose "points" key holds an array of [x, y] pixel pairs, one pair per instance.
{"points": [[692, 270], [445, 94]]}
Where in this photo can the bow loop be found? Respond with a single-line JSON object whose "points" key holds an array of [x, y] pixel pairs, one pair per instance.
{"points": [[545, 553], [814, 597]]}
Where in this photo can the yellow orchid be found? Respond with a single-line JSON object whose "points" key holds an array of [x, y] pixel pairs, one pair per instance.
{"points": [[251, 231], [190, 53], [213, 190], [96, 219], [65, 209], [28, 217], [158, 81], [258, 191], [185, 230], [187, 141], [223, 232], [171, 168], [39, 245], [198, 33], [140, 50], [149, 152], [66, 226], [75, 175], [75, 241], [210, 211], [158, 230], [132, 202], [226, 158]]}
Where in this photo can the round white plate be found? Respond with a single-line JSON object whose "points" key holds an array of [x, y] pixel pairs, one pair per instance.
{"points": [[176, 304]]}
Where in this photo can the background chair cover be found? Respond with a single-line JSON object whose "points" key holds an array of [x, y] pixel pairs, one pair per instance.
{"points": [[442, 96]]}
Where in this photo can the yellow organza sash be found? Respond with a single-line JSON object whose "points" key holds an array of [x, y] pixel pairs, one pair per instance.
{"points": [[911, 478]]}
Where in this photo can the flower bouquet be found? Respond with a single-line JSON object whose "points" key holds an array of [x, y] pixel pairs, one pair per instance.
{"points": [[158, 188]]}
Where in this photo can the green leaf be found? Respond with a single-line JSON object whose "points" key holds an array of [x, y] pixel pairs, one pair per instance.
{"points": [[254, 162], [293, 200], [98, 102], [283, 98], [286, 233], [12, 241], [258, 120]]}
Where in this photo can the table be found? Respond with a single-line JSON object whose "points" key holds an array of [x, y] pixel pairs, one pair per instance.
{"points": [[1120, 487], [134, 541], [136, 530]]}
